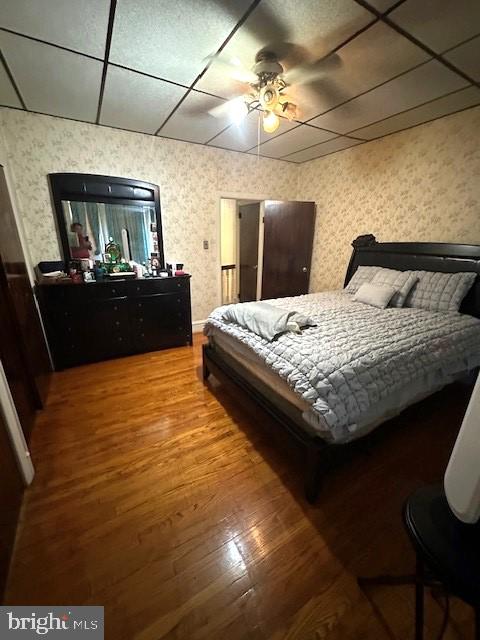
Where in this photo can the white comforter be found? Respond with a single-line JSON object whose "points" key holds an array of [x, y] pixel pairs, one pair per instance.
{"points": [[353, 367]]}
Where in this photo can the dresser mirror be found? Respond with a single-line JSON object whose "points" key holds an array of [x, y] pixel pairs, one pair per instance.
{"points": [[95, 211]]}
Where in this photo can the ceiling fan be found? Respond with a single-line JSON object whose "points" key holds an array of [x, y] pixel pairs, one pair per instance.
{"points": [[265, 87]]}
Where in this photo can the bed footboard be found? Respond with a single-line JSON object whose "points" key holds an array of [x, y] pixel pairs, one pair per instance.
{"points": [[223, 366]]}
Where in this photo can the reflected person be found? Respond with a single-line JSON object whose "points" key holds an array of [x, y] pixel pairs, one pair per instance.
{"points": [[82, 247]]}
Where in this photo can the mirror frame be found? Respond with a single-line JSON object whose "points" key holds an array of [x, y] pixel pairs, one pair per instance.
{"points": [[87, 187]]}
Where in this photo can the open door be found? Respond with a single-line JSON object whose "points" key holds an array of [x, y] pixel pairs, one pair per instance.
{"points": [[24, 345], [249, 217], [287, 248], [11, 492]]}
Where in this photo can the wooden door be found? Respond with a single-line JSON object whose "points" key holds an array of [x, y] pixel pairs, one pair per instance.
{"points": [[249, 217], [287, 248], [11, 490], [19, 298], [13, 361]]}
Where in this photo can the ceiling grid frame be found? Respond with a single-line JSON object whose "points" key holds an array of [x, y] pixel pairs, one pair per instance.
{"points": [[377, 16]]}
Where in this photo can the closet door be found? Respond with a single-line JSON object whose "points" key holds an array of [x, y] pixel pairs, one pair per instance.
{"points": [[30, 342], [11, 491], [287, 248]]}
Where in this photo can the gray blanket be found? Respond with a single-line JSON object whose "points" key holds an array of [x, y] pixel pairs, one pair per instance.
{"points": [[358, 360], [264, 319]]}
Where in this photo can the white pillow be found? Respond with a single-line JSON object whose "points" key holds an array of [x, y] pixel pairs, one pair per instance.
{"points": [[438, 291], [361, 275], [376, 295], [402, 281]]}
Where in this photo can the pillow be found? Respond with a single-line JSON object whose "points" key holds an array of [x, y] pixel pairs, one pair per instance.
{"points": [[401, 281], [436, 291], [376, 295], [361, 275]]}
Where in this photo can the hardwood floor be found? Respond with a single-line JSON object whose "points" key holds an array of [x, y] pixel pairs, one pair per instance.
{"points": [[180, 509]]}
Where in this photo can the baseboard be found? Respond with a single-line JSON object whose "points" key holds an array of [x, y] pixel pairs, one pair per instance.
{"points": [[197, 326]]}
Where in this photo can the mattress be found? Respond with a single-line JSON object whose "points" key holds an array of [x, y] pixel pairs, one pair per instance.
{"points": [[360, 365]]}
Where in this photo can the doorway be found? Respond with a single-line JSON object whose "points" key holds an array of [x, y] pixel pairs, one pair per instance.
{"points": [[265, 248]]}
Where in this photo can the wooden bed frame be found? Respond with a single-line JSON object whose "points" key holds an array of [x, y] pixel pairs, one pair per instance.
{"points": [[366, 251]]}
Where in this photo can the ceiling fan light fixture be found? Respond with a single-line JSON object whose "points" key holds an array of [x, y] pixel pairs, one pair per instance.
{"points": [[269, 97], [271, 122], [289, 110]]}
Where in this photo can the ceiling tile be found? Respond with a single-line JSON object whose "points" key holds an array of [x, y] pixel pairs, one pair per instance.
{"points": [[75, 24], [440, 24], [192, 122], [427, 82], [365, 64], [441, 107], [171, 39], [52, 80], [137, 102], [244, 136], [294, 140], [8, 96], [337, 144], [467, 57], [295, 31]]}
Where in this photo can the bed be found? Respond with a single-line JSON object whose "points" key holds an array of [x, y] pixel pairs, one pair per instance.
{"points": [[359, 366]]}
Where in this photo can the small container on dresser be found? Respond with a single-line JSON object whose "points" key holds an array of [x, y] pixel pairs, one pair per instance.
{"points": [[98, 320]]}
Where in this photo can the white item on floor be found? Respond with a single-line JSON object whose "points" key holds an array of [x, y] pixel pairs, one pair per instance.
{"points": [[462, 477]]}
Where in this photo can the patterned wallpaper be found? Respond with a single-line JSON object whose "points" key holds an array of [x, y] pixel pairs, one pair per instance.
{"points": [[422, 184], [191, 177]]}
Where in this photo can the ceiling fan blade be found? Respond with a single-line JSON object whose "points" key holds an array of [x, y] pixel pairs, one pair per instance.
{"points": [[309, 72], [232, 67], [235, 110]]}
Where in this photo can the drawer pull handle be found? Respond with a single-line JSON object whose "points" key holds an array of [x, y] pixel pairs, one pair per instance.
{"points": [[140, 319], [115, 308], [120, 338], [117, 322]]}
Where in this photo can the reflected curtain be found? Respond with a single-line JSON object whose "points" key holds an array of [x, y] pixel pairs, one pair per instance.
{"points": [[131, 218], [79, 214], [93, 219]]}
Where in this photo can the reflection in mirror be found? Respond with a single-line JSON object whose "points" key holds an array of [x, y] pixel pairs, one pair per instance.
{"points": [[92, 225]]}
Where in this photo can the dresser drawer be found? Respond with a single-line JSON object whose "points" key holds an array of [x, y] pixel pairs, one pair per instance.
{"points": [[158, 285], [91, 322]]}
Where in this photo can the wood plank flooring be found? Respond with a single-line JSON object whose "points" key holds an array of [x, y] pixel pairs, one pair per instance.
{"points": [[179, 507]]}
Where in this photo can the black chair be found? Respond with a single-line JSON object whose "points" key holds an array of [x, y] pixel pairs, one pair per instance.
{"points": [[447, 555]]}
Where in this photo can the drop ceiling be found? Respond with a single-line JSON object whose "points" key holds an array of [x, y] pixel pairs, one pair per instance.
{"points": [[146, 66]]}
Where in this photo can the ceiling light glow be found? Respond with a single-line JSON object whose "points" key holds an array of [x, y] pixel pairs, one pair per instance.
{"points": [[271, 122]]}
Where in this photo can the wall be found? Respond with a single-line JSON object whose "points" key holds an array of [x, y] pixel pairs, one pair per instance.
{"points": [[191, 177], [422, 184]]}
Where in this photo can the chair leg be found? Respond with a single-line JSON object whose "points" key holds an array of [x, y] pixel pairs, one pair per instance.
{"points": [[419, 599]]}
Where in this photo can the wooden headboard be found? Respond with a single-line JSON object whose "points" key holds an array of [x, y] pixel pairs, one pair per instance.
{"points": [[428, 256]]}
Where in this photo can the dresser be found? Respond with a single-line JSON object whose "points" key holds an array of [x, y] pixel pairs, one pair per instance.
{"points": [[106, 319]]}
